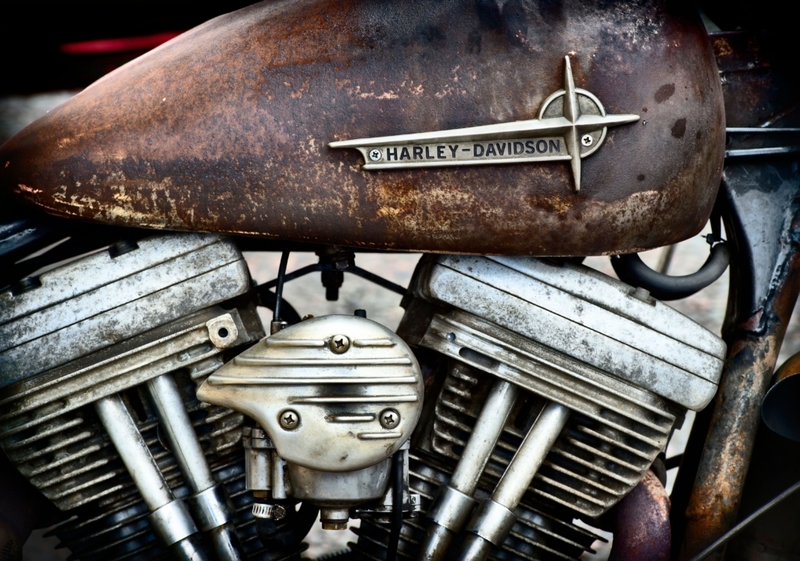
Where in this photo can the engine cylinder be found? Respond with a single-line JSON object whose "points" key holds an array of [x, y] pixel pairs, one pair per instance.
{"points": [[107, 368]]}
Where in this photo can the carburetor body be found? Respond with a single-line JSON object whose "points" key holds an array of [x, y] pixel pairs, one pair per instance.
{"points": [[334, 398]]}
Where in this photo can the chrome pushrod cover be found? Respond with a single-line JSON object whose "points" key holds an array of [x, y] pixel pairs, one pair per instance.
{"points": [[492, 521], [208, 502], [453, 505], [169, 516]]}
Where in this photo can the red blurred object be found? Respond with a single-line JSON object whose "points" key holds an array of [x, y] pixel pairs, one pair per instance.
{"points": [[118, 45]]}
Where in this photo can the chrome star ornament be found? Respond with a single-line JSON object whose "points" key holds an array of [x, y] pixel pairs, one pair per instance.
{"points": [[572, 125]]}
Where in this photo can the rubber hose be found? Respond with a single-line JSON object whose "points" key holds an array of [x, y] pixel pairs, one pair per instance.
{"points": [[631, 270], [289, 532]]}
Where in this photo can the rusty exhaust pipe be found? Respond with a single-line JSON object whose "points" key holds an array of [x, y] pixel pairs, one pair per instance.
{"points": [[642, 529]]}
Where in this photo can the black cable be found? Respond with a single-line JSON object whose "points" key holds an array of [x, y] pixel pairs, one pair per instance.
{"points": [[293, 275], [267, 299], [317, 267], [276, 315], [286, 534], [397, 505], [380, 281], [632, 270]]}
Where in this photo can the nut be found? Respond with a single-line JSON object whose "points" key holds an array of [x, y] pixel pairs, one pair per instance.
{"points": [[389, 418], [289, 419], [222, 331], [339, 344], [334, 518]]}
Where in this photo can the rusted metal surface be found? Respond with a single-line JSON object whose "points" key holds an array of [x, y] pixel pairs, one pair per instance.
{"points": [[642, 529], [765, 289], [779, 408], [759, 79], [763, 215], [714, 503], [226, 128]]}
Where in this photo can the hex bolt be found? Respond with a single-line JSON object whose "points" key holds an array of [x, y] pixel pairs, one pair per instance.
{"points": [[389, 418], [339, 344], [375, 154], [289, 419], [587, 140], [222, 331]]}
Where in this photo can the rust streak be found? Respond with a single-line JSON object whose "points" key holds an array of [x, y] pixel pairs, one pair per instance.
{"points": [[225, 129]]}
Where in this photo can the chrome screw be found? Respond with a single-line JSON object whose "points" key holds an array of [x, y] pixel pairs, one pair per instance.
{"points": [[374, 154], [289, 419], [278, 512], [587, 140], [389, 418], [339, 344]]}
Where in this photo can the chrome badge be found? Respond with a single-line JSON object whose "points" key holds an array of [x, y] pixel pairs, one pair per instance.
{"points": [[572, 125]]}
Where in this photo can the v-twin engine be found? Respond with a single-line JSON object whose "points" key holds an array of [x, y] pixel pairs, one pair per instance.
{"points": [[516, 396]]}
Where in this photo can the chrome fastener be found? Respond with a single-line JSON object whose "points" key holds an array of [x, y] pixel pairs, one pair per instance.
{"points": [[339, 344], [289, 419], [389, 418]]}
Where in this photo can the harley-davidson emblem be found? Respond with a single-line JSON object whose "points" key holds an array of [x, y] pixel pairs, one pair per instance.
{"points": [[572, 125]]}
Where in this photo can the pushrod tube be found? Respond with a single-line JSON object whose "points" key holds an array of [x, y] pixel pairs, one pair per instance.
{"points": [[208, 501], [169, 516], [492, 521], [454, 503]]}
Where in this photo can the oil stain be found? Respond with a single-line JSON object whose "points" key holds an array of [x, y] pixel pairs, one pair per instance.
{"points": [[679, 128], [664, 93]]}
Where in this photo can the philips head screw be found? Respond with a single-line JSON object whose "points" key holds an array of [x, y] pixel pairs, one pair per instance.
{"points": [[339, 344], [289, 419], [587, 140], [389, 418], [375, 154]]}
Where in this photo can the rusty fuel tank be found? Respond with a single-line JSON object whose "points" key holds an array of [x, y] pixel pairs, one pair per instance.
{"points": [[227, 128]]}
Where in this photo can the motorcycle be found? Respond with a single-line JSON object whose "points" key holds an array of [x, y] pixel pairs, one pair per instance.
{"points": [[146, 408]]}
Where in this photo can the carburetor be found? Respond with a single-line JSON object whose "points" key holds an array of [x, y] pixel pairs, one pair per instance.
{"points": [[334, 398]]}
